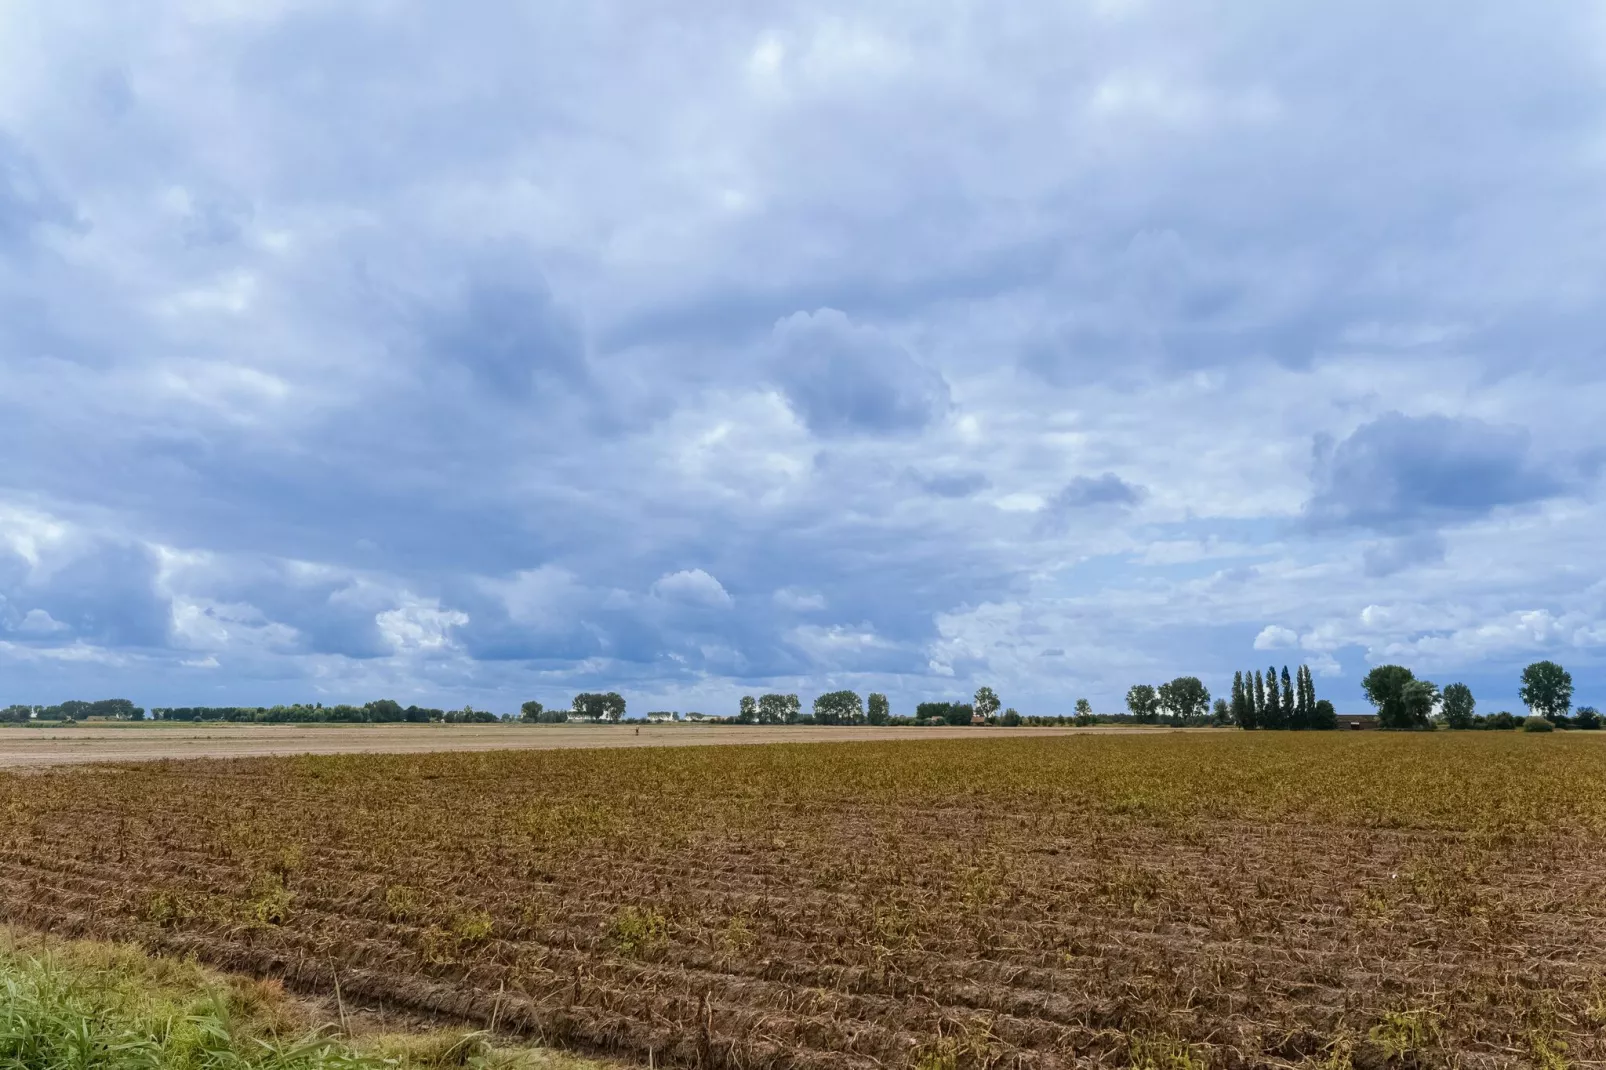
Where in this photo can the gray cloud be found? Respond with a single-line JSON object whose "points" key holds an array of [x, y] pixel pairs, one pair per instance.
{"points": [[504, 327], [27, 201], [1086, 492], [1408, 551], [402, 349], [844, 377], [953, 484], [1399, 472], [1103, 496]]}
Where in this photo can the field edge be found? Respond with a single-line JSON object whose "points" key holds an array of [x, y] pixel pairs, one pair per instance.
{"points": [[81, 988]]}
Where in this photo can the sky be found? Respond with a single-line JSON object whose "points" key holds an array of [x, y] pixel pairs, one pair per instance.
{"points": [[483, 352]]}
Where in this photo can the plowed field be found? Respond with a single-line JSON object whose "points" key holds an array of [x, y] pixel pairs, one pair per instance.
{"points": [[1165, 901]]}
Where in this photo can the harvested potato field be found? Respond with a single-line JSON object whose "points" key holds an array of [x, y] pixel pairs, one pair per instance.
{"points": [[1165, 901]]}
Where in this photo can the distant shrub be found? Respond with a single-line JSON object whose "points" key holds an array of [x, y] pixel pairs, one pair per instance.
{"points": [[955, 713], [1588, 718], [469, 715], [1538, 724], [1503, 720]]}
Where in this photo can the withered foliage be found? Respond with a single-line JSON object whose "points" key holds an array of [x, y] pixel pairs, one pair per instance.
{"points": [[1169, 901]]}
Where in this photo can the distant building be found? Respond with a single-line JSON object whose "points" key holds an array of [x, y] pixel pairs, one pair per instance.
{"points": [[1358, 722], [660, 716]]}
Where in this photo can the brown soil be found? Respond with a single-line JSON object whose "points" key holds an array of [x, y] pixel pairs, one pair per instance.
{"points": [[1161, 902]]}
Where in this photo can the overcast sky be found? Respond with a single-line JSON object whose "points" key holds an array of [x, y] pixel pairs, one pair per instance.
{"points": [[483, 352]]}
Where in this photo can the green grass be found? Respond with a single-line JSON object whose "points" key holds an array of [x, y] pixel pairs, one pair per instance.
{"points": [[56, 1016], [89, 1006]]}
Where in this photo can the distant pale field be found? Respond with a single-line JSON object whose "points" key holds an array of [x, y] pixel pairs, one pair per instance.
{"points": [[41, 747]]}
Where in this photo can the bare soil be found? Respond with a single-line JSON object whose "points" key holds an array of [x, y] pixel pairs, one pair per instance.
{"points": [[1159, 901]]}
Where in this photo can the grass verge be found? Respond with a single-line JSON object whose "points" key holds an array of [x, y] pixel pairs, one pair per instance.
{"points": [[76, 1005]]}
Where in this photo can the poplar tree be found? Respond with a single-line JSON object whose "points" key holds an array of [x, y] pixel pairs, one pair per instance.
{"points": [[1260, 701], [1290, 719], [1237, 706], [1308, 688], [1274, 701]]}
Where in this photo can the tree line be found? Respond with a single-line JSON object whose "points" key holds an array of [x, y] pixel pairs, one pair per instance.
{"points": [[606, 707], [1406, 703], [832, 708], [1259, 701], [379, 711], [1263, 701], [847, 708], [114, 709]]}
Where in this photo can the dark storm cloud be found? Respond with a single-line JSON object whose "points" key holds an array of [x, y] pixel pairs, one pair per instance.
{"points": [[843, 377], [1400, 472]]}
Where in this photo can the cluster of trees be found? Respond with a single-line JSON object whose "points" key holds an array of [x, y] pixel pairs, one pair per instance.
{"points": [[603, 706], [945, 713], [1404, 702], [833, 707], [1289, 705], [772, 708], [112, 709], [1184, 700], [607, 707]]}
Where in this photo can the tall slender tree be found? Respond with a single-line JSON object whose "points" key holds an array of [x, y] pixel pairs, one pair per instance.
{"points": [[1274, 702], [1260, 701], [1237, 706], [1288, 712]]}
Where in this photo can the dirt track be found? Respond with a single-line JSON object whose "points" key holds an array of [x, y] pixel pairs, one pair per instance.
{"points": [[40, 747]]}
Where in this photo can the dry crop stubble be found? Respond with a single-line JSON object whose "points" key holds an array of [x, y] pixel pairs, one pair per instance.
{"points": [[1168, 900]]}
